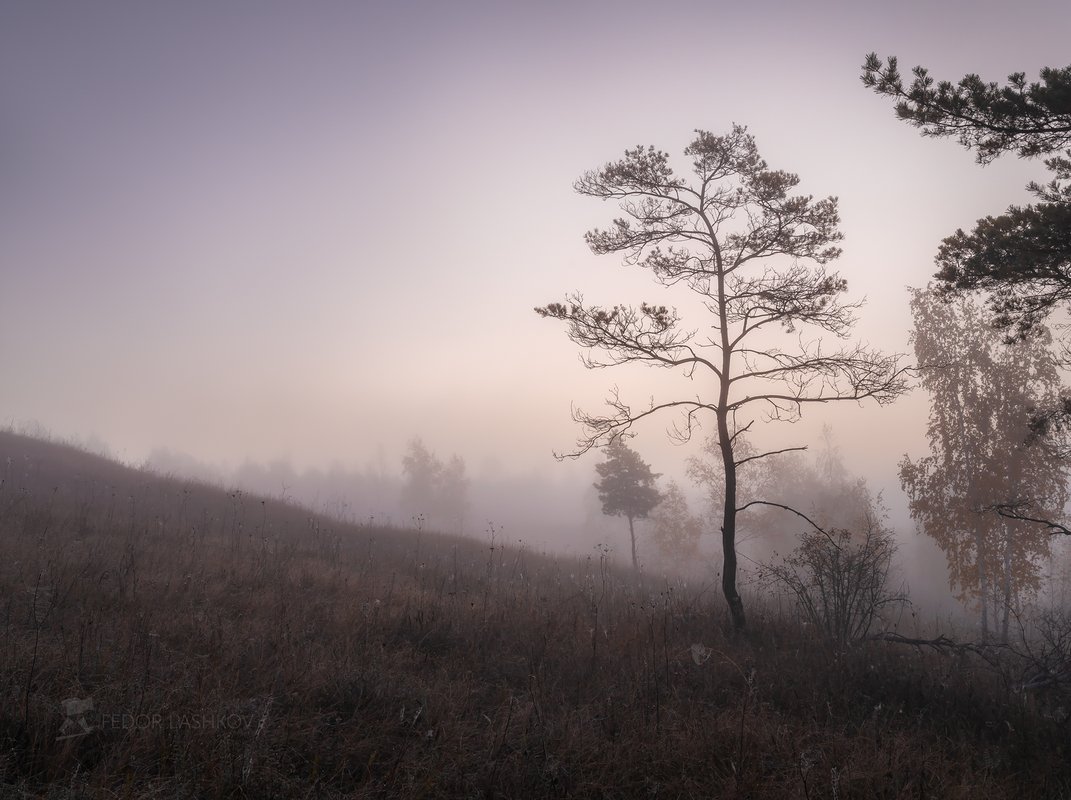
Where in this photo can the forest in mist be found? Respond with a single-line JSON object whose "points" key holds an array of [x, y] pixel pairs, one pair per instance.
{"points": [[565, 516]]}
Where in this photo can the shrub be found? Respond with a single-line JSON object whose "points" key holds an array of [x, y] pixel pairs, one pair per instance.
{"points": [[839, 581]]}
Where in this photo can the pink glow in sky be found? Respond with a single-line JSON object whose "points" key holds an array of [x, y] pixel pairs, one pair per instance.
{"points": [[250, 229]]}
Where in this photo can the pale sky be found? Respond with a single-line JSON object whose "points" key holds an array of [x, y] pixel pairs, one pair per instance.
{"points": [[264, 229]]}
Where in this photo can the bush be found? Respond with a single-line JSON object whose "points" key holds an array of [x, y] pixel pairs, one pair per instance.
{"points": [[839, 580]]}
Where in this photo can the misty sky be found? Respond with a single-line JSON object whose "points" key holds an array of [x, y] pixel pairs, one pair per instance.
{"points": [[264, 229]]}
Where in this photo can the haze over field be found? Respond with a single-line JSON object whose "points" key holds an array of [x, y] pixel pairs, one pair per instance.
{"points": [[299, 301], [255, 231]]}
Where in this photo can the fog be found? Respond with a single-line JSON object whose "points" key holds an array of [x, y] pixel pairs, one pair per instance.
{"points": [[560, 513], [270, 244]]}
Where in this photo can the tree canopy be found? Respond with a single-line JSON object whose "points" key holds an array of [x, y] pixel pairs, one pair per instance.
{"points": [[1021, 258], [754, 253], [1030, 119], [982, 457]]}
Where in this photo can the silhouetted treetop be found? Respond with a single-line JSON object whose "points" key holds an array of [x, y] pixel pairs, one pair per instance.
{"points": [[1031, 119], [662, 209], [1022, 258]]}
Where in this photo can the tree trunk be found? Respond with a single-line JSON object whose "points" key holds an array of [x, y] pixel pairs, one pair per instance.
{"points": [[967, 451], [728, 525], [1007, 585], [632, 535], [983, 586]]}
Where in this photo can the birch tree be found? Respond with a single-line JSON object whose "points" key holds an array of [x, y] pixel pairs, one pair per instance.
{"points": [[983, 458]]}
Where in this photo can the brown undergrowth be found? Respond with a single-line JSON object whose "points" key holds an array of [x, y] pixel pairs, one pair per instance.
{"points": [[221, 645]]}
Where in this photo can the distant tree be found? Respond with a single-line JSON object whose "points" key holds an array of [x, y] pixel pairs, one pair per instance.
{"points": [[737, 238], [432, 492], [1021, 258], [453, 495], [982, 457], [675, 531], [705, 471], [422, 473], [831, 499], [626, 487], [819, 488]]}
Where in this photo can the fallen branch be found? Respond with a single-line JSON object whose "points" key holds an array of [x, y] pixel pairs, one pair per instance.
{"points": [[943, 644]]}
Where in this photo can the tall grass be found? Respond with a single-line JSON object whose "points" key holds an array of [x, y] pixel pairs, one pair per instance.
{"points": [[235, 646]]}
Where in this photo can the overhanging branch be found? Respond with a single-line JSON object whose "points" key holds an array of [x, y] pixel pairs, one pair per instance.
{"points": [[743, 461], [1014, 511], [800, 514]]}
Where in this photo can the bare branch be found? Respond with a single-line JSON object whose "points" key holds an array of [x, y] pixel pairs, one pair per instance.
{"points": [[1014, 511], [800, 514], [627, 334], [742, 461], [603, 430]]}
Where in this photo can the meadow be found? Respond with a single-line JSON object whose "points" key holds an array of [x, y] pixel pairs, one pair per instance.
{"points": [[165, 638]]}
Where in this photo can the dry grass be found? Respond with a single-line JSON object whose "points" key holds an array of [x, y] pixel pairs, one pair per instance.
{"points": [[233, 646]]}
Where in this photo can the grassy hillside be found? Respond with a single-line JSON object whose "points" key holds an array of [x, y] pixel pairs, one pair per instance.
{"points": [[215, 644]]}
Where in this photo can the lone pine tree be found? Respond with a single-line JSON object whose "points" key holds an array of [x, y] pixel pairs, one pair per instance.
{"points": [[754, 256]]}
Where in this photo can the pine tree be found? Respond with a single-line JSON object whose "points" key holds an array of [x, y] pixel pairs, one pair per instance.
{"points": [[626, 487], [752, 253]]}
